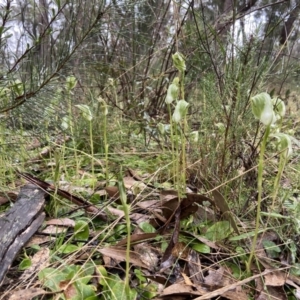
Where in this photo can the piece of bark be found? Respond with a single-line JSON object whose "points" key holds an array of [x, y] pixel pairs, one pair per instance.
{"points": [[19, 224]]}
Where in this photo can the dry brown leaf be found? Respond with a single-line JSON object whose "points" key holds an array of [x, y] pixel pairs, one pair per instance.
{"points": [[187, 280], [170, 298], [112, 191], [6, 197], [120, 255], [115, 211], [39, 261], [139, 218], [27, 294], [214, 278], [55, 230], [180, 250], [181, 288], [62, 222], [38, 240], [231, 287], [69, 289], [131, 183], [221, 203], [194, 266], [149, 255], [265, 292], [137, 238], [276, 278], [101, 193], [149, 204], [219, 278]]}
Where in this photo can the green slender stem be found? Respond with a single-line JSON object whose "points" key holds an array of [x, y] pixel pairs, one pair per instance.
{"points": [[71, 123], [126, 208], [259, 187], [105, 148], [92, 151], [183, 141], [172, 142], [282, 164]]}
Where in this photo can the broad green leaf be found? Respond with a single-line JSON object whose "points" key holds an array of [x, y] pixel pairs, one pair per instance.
{"points": [[25, 264], [103, 275], [241, 253], [236, 270], [149, 291], [146, 227], [274, 215], [86, 272], [66, 249], [81, 230], [92, 298], [295, 269], [51, 278], [117, 287], [272, 249], [84, 291], [219, 231], [202, 248], [140, 276]]}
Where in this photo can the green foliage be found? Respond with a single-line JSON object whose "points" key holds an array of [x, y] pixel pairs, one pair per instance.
{"points": [[219, 231], [81, 230], [183, 119], [25, 263], [201, 248], [75, 278], [147, 228], [114, 287]]}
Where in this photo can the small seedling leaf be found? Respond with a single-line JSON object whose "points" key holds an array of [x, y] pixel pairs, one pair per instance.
{"points": [[25, 264], [147, 228], [202, 248], [81, 230]]}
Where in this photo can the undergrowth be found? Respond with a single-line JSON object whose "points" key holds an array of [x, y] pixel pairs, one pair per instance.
{"points": [[203, 194]]}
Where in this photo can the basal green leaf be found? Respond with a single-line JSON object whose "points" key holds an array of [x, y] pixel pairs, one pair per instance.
{"points": [[51, 278], [202, 248], [81, 230], [66, 249], [219, 231], [147, 228], [25, 264]]}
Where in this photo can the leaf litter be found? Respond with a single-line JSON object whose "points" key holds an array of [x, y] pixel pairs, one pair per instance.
{"points": [[165, 253]]}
